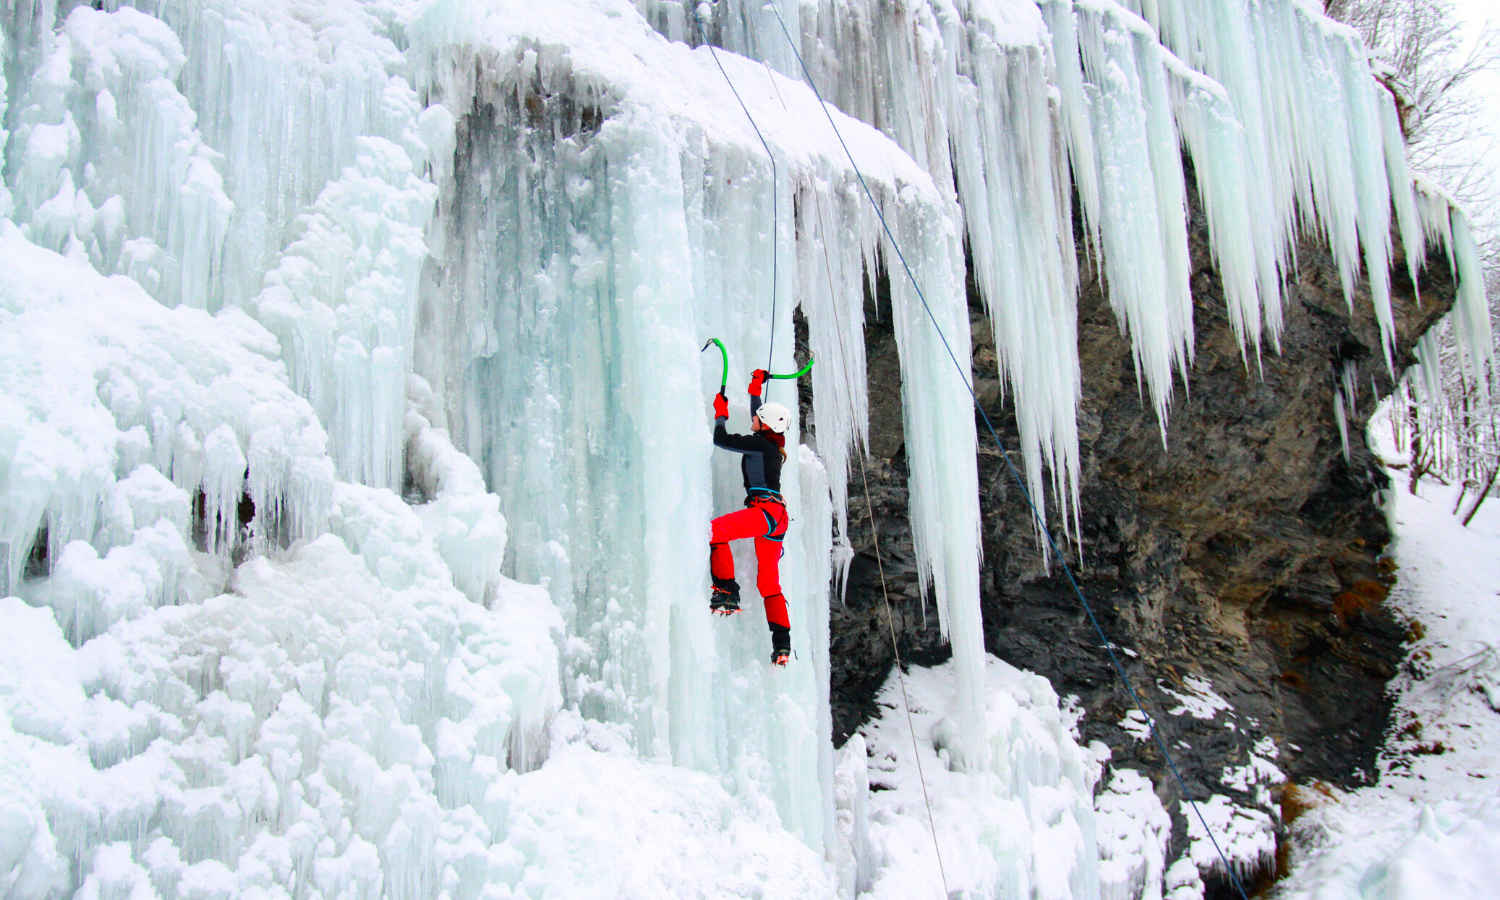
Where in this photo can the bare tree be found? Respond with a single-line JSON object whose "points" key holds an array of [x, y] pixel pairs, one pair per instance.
{"points": [[1429, 69], [1424, 61]]}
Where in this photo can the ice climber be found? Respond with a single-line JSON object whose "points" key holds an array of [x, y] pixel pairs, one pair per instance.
{"points": [[762, 451]]}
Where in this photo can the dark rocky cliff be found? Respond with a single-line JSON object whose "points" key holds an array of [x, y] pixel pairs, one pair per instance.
{"points": [[1246, 551]]}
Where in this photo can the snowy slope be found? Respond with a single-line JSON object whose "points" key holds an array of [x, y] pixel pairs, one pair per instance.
{"points": [[1431, 827]]}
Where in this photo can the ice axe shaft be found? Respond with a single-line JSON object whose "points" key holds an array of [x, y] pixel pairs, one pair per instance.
{"points": [[797, 374]]}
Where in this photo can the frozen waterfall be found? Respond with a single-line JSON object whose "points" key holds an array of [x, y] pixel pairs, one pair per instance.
{"points": [[355, 461]]}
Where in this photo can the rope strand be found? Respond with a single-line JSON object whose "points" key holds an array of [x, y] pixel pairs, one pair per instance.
{"points": [[885, 595], [775, 189], [911, 727], [1040, 519]]}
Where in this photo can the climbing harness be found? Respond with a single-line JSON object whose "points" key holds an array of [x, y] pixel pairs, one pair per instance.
{"points": [[1040, 519], [762, 500]]}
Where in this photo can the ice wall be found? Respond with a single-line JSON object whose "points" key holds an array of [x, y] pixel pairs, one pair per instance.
{"points": [[273, 174], [594, 244], [119, 411], [1108, 102], [328, 715], [316, 319]]}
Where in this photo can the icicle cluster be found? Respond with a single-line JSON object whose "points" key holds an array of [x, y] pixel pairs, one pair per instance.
{"points": [[317, 318], [1110, 103]]}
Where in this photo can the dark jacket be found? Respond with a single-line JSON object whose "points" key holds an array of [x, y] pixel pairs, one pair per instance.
{"points": [[761, 463]]}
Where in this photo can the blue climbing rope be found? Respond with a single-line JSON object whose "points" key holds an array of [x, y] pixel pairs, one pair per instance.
{"points": [[1041, 521], [775, 238]]}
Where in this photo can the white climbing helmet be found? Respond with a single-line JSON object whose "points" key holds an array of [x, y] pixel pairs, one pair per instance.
{"points": [[775, 417]]}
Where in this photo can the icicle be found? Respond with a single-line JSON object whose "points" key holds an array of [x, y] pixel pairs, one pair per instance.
{"points": [[6, 203], [1471, 313], [940, 434], [1409, 221], [1346, 402], [830, 292], [1142, 211]]}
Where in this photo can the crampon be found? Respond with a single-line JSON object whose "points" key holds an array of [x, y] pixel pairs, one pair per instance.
{"points": [[724, 602]]}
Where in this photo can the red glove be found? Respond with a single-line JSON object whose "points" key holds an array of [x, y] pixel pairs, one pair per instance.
{"points": [[721, 406], [757, 378]]}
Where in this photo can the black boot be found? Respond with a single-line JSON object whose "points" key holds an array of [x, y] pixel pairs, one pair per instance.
{"points": [[781, 645], [725, 599]]}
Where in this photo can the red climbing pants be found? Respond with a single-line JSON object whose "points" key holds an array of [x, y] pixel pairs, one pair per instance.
{"points": [[764, 520]]}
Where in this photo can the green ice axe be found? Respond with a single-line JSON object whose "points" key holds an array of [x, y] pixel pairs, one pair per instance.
{"points": [[797, 374], [723, 381]]}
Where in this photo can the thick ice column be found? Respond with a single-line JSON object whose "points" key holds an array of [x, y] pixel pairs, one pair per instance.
{"points": [[932, 332], [780, 720], [342, 302], [6, 204], [1011, 172], [657, 350]]}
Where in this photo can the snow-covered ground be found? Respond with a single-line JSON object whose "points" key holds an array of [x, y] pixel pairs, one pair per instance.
{"points": [[1431, 827]]}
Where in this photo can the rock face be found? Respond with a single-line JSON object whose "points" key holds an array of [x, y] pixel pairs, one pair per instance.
{"points": [[1246, 552]]}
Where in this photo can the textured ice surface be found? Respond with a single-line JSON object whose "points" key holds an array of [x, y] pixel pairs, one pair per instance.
{"points": [[326, 326], [1025, 825], [108, 393]]}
